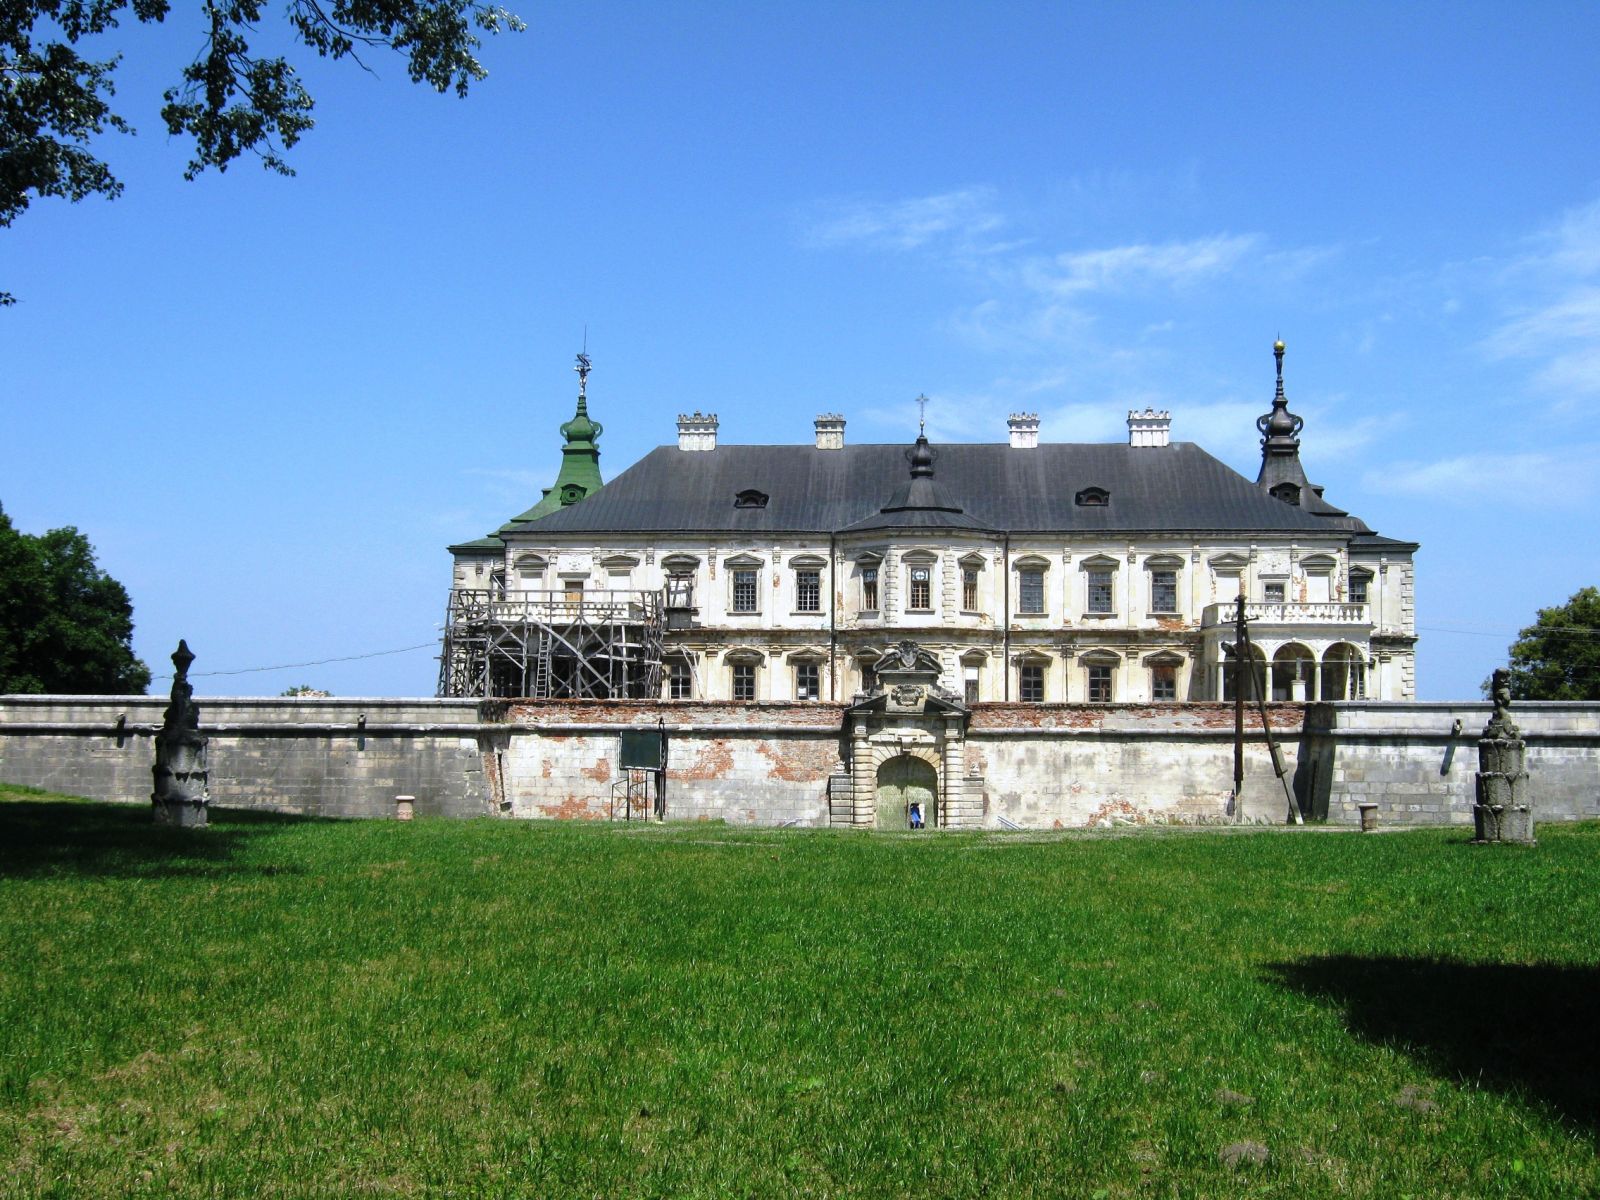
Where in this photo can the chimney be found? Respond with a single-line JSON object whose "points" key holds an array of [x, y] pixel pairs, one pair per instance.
{"points": [[1149, 428], [697, 432], [830, 431], [1024, 429]]}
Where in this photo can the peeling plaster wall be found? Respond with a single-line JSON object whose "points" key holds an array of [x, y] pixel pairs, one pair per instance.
{"points": [[745, 764]]}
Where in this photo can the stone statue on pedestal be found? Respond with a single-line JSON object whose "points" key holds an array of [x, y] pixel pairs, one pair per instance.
{"points": [[1503, 812], [181, 797]]}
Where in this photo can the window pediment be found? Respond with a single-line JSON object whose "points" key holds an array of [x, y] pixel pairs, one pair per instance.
{"points": [[1228, 562], [743, 561], [744, 656], [1102, 658], [972, 562], [1163, 562], [678, 564], [619, 562], [1319, 562], [809, 562], [1099, 562], [1031, 562]]}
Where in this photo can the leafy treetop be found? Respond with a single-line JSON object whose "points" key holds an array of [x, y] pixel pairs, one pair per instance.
{"points": [[65, 625], [1558, 656]]}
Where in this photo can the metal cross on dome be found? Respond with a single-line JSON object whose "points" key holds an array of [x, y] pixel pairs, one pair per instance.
{"points": [[922, 415]]}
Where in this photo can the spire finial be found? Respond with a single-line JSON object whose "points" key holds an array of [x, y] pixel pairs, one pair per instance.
{"points": [[922, 415], [583, 373], [1277, 353], [1280, 427]]}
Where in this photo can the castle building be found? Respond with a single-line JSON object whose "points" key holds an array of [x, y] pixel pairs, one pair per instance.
{"points": [[1026, 571]]}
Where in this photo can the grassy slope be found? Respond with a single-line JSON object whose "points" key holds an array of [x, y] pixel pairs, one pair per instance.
{"points": [[488, 1008]]}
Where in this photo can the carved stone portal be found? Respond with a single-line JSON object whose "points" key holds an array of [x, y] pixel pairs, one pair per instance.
{"points": [[181, 796], [1503, 812]]}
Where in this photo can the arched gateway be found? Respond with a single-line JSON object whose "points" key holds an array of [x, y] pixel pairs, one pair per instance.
{"points": [[905, 780], [907, 744]]}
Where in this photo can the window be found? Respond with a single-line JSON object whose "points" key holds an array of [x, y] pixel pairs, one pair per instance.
{"points": [[921, 589], [680, 590], [1163, 591], [806, 681], [1272, 591], [744, 590], [1030, 591], [869, 676], [969, 588], [970, 683], [1287, 492], [869, 589], [680, 681], [573, 589], [744, 681], [1100, 593], [1099, 683], [1163, 681], [808, 591], [1093, 497], [1030, 683], [750, 498], [1358, 586]]}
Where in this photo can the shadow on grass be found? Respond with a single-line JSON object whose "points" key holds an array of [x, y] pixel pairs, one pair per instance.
{"points": [[67, 837], [1531, 1031]]}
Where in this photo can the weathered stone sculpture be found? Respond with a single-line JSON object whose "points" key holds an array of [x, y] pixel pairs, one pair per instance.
{"points": [[181, 797], [1502, 812]]}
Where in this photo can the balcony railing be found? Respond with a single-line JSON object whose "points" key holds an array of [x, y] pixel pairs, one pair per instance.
{"points": [[590, 607], [1323, 612]]}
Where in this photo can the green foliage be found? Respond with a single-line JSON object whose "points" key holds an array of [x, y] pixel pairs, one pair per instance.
{"points": [[55, 100], [65, 625], [1558, 656], [305, 689], [495, 1008]]}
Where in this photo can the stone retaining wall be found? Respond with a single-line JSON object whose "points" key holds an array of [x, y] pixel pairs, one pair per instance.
{"points": [[1033, 766]]}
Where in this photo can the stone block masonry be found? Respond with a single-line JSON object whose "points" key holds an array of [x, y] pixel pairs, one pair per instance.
{"points": [[1025, 765]]}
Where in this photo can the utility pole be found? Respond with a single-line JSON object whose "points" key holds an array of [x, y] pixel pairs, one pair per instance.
{"points": [[1240, 649]]}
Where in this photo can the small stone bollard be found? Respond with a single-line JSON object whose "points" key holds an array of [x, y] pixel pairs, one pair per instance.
{"points": [[1503, 812], [1369, 816], [405, 808]]}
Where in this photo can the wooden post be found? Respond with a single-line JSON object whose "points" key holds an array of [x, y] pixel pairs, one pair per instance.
{"points": [[1240, 666]]}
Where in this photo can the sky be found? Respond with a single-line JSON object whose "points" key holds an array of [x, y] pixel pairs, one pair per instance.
{"points": [[272, 403]]}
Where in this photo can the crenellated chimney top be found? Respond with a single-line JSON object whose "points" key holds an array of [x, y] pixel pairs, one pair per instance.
{"points": [[697, 431], [1024, 429], [830, 431], [1149, 428]]}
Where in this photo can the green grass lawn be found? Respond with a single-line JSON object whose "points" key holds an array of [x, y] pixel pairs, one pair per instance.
{"points": [[277, 1006]]}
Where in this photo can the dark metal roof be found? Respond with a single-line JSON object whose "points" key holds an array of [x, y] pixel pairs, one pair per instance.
{"points": [[1173, 488]]}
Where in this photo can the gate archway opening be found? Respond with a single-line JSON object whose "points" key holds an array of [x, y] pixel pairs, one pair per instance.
{"points": [[905, 780]]}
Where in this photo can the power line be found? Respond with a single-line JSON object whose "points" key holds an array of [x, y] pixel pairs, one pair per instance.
{"points": [[1582, 630], [321, 662]]}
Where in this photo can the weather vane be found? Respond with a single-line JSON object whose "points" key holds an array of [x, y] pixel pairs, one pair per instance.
{"points": [[922, 415]]}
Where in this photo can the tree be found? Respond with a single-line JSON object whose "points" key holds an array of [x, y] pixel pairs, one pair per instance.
{"points": [[65, 625], [54, 101], [305, 689], [1558, 656]]}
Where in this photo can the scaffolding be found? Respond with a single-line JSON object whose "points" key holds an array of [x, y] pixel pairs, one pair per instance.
{"points": [[581, 645]]}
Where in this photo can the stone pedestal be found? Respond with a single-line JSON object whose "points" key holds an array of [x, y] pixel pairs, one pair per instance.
{"points": [[181, 795], [1503, 811]]}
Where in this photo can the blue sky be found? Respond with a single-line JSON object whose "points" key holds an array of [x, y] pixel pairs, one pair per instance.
{"points": [[271, 403]]}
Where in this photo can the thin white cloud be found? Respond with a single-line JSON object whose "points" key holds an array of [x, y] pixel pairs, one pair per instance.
{"points": [[1171, 264], [1515, 477], [1558, 324], [961, 218], [509, 485]]}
